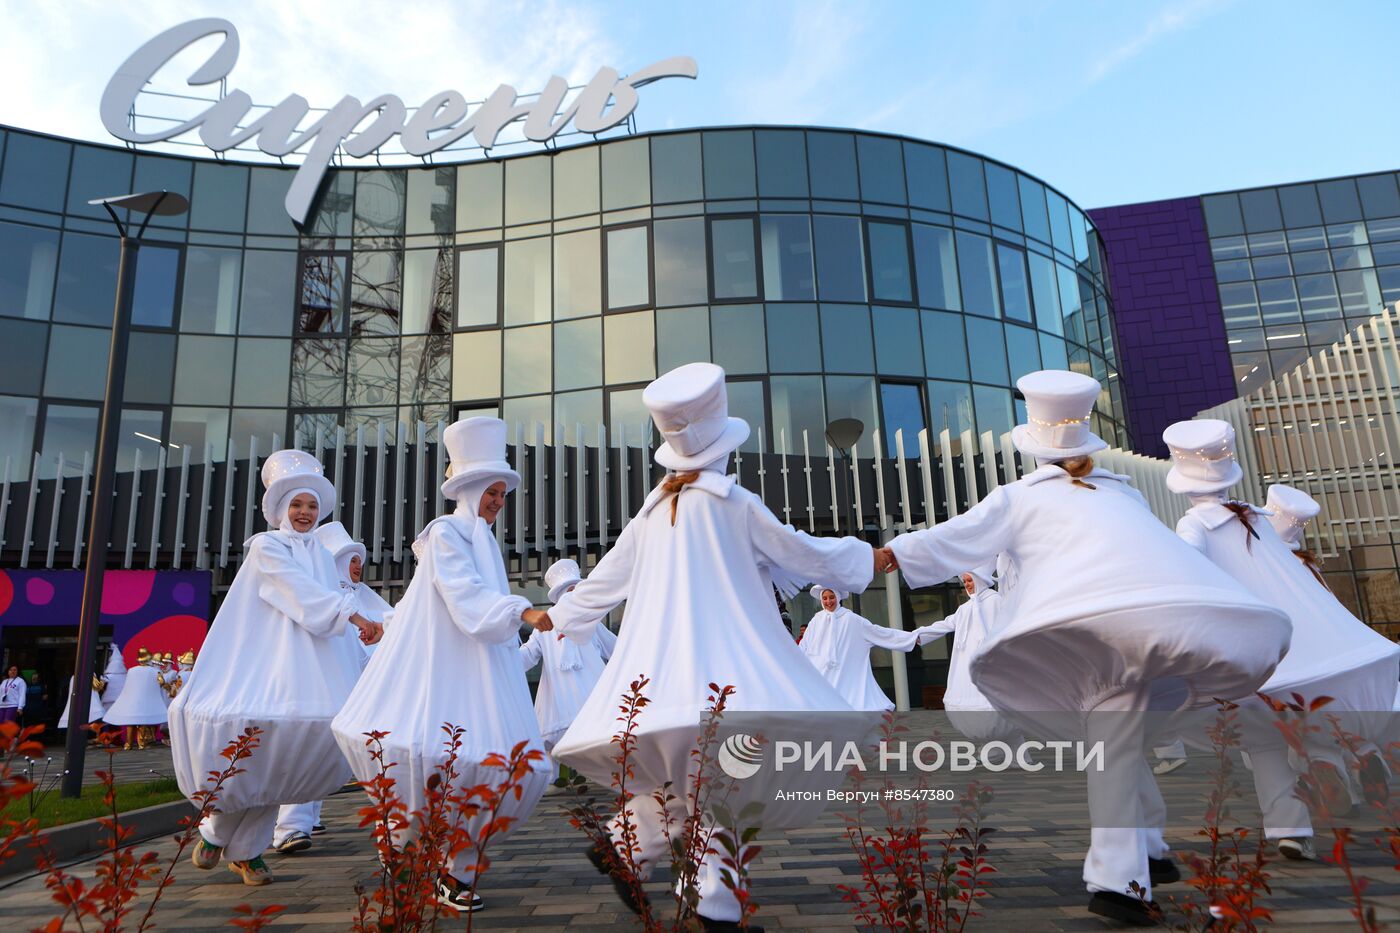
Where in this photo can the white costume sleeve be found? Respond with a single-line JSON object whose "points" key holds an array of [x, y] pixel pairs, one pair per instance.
{"points": [[1192, 532], [882, 636], [845, 563], [970, 540], [285, 585], [606, 640], [944, 626], [475, 608], [532, 652], [577, 613]]}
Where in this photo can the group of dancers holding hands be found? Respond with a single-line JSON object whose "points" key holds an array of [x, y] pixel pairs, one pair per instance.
{"points": [[1098, 608]]}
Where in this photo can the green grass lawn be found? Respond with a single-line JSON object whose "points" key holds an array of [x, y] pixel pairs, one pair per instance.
{"points": [[55, 810]]}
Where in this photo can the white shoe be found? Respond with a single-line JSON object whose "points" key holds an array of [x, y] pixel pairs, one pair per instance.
{"points": [[1167, 765], [1297, 848], [296, 842]]}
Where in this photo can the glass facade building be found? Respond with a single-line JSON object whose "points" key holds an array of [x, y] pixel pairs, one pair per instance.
{"points": [[833, 274]]}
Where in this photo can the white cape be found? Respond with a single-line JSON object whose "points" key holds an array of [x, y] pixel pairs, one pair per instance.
{"points": [[567, 677], [95, 709], [971, 625], [143, 701], [838, 645]]}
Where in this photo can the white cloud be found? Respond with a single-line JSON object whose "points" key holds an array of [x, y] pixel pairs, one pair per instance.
{"points": [[1170, 20]]}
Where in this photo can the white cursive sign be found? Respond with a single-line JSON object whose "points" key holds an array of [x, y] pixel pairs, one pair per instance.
{"points": [[605, 102]]}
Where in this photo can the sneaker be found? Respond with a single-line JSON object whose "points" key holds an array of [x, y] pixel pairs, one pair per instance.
{"points": [[621, 887], [1297, 848], [1162, 871], [254, 872], [1167, 765], [725, 926], [456, 895], [1124, 908], [318, 829], [296, 842], [1375, 779], [1332, 789], [554, 790], [204, 855]]}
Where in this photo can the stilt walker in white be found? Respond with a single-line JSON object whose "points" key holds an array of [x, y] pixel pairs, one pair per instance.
{"points": [[457, 628], [694, 568], [276, 658], [838, 643], [1110, 614], [1333, 653], [115, 675]]}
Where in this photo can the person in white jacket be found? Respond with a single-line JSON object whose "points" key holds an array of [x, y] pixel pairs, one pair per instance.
{"points": [[277, 659], [1333, 653], [457, 629], [13, 691], [838, 643], [568, 670], [1111, 615]]}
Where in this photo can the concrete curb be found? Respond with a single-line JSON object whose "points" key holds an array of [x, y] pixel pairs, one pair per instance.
{"points": [[77, 840]]}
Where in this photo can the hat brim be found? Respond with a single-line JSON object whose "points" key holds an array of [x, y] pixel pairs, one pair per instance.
{"points": [[322, 487], [736, 431], [497, 469], [557, 591], [1027, 444], [1184, 485]]}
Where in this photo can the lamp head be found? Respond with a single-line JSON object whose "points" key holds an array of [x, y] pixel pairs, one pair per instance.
{"points": [[843, 433]]}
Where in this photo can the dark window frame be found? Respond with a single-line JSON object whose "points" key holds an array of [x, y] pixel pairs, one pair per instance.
{"points": [[920, 385], [710, 220], [457, 290], [650, 266], [871, 297]]}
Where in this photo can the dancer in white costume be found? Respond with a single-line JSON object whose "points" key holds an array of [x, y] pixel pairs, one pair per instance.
{"points": [[276, 658], [838, 643], [693, 567], [1110, 613], [1333, 653], [457, 628], [143, 704], [115, 675]]}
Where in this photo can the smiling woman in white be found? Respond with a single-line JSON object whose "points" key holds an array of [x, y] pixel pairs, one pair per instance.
{"points": [[838, 643], [277, 657], [1110, 612], [457, 629]]}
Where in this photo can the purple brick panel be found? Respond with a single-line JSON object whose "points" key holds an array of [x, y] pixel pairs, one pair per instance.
{"points": [[1171, 332]]}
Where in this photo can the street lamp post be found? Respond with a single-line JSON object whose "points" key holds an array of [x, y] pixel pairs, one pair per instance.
{"points": [[842, 434], [149, 204]]}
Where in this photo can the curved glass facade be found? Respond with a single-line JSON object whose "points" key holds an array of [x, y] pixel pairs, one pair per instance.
{"points": [[833, 274]]}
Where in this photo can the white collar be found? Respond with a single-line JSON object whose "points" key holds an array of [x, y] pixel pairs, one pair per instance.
{"points": [[1054, 471], [712, 481], [1212, 515]]}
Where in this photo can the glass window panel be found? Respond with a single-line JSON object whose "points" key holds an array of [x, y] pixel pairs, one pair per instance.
{"points": [[737, 335], [307, 426], [629, 421], [28, 260], [576, 182], [376, 293], [1284, 360], [926, 172], [431, 197], [1229, 247], [1318, 296], [209, 301], [1339, 200], [101, 173], [204, 370], [379, 203], [1267, 244], [1284, 335], [993, 410], [682, 336], [881, 169], [967, 184], [987, 350], [1235, 270], [527, 281], [1261, 210], [480, 194], [1278, 302], [902, 406], [1077, 237], [69, 430], [528, 364], [840, 258], [201, 430], [333, 213], [143, 431], [1389, 279], [629, 347], [1351, 257], [323, 288], [680, 261], [150, 368], [245, 424], [36, 173], [1325, 333], [579, 410], [1037, 217], [1269, 267], [831, 160], [794, 338], [732, 254], [797, 406], [77, 366], [626, 174], [787, 257], [1003, 196], [1379, 197], [898, 345], [577, 274], [21, 357], [1360, 293], [154, 173], [976, 274], [1053, 352], [267, 195], [1248, 338], [153, 297], [1058, 209], [629, 267], [746, 401], [1023, 351], [528, 190], [373, 371], [318, 373], [425, 370], [478, 278], [220, 199], [1015, 288], [269, 288], [950, 407], [1223, 214], [1240, 304], [675, 168], [729, 171], [1385, 254], [1300, 208], [853, 397], [782, 163], [578, 354], [476, 364], [1071, 307], [87, 279], [937, 267], [889, 261], [261, 368], [846, 339], [945, 346], [427, 291]]}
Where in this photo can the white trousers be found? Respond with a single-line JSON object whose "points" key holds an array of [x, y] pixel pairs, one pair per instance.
{"points": [[295, 818], [243, 834], [717, 902], [532, 787]]}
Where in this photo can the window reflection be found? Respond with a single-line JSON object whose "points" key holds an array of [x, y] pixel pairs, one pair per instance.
{"points": [[425, 370], [831, 159], [967, 185], [427, 291], [840, 258], [976, 274], [732, 254], [69, 431], [374, 371], [578, 354], [626, 174], [680, 261], [898, 347], [478, 287], [629, 267], [28, 260], [269, 288], [87, 280], [209, 302], [1015, 290], [576, 182], [21, 356], [77, 362], [798, 407], [881, 169], [782, 163], [787, 258], [889, 262], [323, 293], [950, 407], [902, 404], [682, 336], [987, 350], [318, 373], [937, 266], [794, 341], [153, 298], [527, 292], [204, 370], [945, 346], [629, 347], [431, 198], [261, 368], [846, 339], [737, 335], [728, 158], [527, 366], [577, 268], [376, 292]]}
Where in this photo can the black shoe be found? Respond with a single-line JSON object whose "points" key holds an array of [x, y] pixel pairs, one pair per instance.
{"points": [[318, 829], [1162, 871], [623, 889], [724, 926], [1124, 908], [456, 895]]}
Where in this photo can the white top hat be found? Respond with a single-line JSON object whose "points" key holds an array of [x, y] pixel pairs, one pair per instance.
{"points": [[691, 410], [1203, 456], [817, 591], [337, 540], [1292, 509], [477, 450], [1058, 406], [561, 575], [286, 470]]}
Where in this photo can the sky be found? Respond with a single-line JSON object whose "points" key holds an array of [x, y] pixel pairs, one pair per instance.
{"points": [[1111, 102]]}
